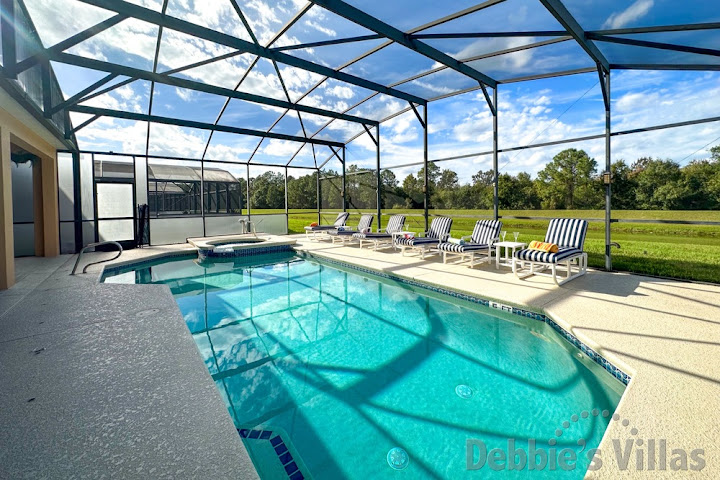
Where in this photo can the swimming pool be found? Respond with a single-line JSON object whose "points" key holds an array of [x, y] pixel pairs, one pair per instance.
{"points": [[331, 373]]}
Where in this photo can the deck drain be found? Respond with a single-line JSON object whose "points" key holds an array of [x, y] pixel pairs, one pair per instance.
{"points": [[147, 313], [463, 391], [398, 458]]}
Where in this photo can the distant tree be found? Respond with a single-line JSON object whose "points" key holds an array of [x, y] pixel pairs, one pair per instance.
{"points": [[267, 191], [483, 190], [517, 193], [715, 153], [713, 183], [413, 190], [697, 179], [331, 189], [302, 191], [659, 184], [567, 181], [433, 174], [388, 179], [448, 180], [623, 186]]}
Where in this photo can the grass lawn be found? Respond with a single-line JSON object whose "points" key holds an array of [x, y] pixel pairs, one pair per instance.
{"points": [[681, 251]]}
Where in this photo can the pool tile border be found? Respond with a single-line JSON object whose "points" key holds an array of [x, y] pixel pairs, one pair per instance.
{"points": [[244, 252], [284, 456], [596, 357]]}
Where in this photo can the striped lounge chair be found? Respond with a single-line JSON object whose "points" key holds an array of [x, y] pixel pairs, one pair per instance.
{"points": [[485, 233], [382, 236], [339, 222], [345, 234], [569, 235], [439, 232]]}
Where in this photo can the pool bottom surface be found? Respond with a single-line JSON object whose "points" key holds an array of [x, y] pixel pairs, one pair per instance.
{"points": [[348, 371]]}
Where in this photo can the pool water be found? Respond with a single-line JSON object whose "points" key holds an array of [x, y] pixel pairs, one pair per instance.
{"points": [[332, 374]]}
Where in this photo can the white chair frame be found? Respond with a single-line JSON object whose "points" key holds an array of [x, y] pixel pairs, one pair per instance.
{"points": [[484, 254], [563, 266]]}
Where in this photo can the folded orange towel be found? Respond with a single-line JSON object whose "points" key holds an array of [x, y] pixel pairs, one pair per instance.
{"points": [[543, 247], [314, 224]]}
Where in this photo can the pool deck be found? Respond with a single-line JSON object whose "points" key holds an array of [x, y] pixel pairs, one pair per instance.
{"points": [[98, 347], [102, 380]]}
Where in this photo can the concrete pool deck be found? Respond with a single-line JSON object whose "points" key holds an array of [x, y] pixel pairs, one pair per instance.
{"points": [[102, 380], [664, 333]]}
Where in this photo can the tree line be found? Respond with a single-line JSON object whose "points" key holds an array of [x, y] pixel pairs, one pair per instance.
{"points": [[571, 180]]}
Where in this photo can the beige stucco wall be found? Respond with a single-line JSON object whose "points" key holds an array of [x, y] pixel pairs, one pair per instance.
{"points": [[19, 128]]}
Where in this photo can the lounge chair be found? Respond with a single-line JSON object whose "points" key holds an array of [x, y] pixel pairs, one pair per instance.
{"points": [[479, 244], [345, 234], [439, 232], [339, 222], [382, 236], [569, 235]]}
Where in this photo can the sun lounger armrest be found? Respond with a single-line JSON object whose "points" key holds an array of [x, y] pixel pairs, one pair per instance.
{"points": [[466, 237]]}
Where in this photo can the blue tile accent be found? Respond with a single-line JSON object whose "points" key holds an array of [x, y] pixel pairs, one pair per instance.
{"points": [[589, 352], [284, 455], [291, 468], [244, 252]]}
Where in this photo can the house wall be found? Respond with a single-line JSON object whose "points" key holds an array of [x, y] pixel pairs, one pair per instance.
{"points": [[28, 134]]}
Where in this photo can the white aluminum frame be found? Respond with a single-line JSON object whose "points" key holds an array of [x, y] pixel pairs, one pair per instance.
{"points": [[486, 254], [579, 259]]}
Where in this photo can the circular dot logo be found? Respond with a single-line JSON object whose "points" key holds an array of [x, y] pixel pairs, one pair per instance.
{"points": [[398, 458]]}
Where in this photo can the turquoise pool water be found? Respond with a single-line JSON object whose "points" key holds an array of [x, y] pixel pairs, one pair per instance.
{"points": [[326, 371]]}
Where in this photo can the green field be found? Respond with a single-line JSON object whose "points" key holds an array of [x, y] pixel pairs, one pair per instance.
{"points": [[681, 251]]}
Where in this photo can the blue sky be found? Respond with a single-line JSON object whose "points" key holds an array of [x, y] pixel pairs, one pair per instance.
{"points": [[530, 112]]}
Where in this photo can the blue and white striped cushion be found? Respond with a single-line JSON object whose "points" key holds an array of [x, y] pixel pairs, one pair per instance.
{"points": [[372, 235], [320, 228], [567, 232], [413, 242], [440, 228], [341, 219], [365, 222], [486, 231], [456, 248], [546, 257], [395, 224]]}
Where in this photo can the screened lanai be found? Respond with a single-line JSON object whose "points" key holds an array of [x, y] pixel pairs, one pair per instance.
{"points": [[322, 99]]}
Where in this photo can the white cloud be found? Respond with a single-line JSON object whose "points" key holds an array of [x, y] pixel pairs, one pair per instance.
{"points": [[280, 148], [184, 94], [341, 92], [327, 31], [634, 12]]}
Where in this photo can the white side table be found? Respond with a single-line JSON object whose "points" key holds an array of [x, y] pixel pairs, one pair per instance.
{"points": [[510, 248]]}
